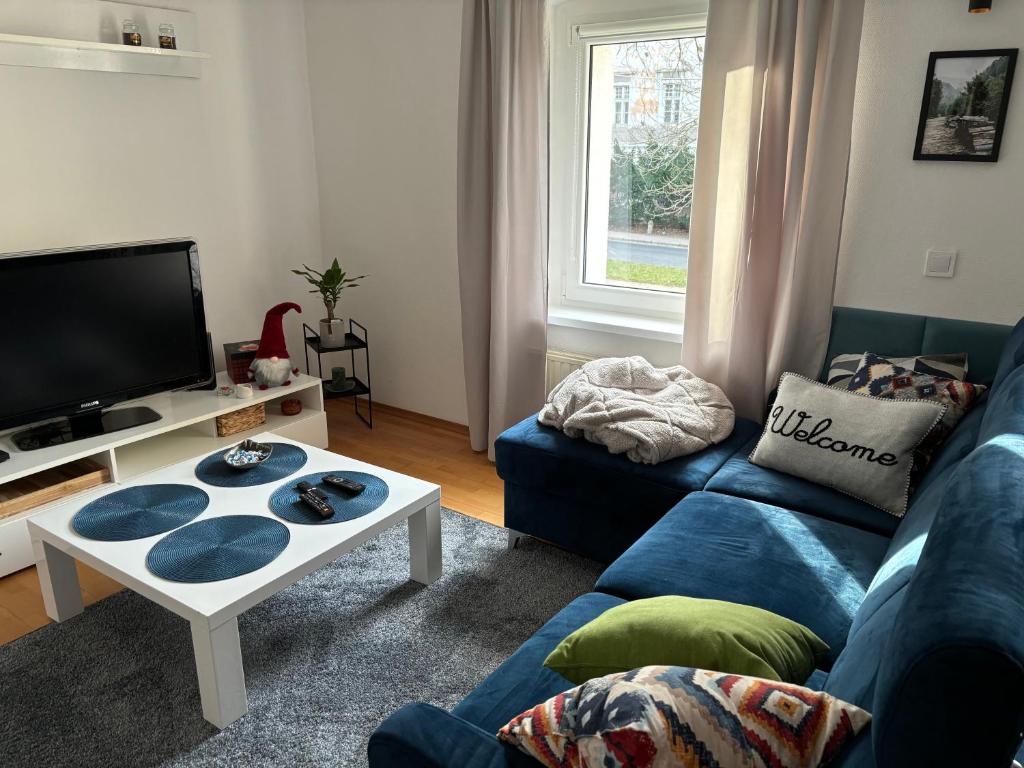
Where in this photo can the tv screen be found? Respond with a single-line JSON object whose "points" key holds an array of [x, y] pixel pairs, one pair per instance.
{"points": [[87, 328]]}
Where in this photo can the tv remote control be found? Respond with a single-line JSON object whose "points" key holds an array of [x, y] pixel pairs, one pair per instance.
{"points": [[305, 487], [311, 497], [345, 484]]}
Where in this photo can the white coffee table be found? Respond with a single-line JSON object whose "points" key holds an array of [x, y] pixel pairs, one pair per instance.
{"points": [[213, 608]]}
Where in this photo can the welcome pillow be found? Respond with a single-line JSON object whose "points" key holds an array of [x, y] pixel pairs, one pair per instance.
{"points": [[656, 717], [857, 444]]}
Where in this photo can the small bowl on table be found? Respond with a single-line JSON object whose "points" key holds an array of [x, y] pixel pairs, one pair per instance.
{"points": [[248, 454]]}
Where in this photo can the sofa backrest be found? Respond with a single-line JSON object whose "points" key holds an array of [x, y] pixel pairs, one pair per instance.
{"points": [[901, 335], [936, 650], [1012, 357]]}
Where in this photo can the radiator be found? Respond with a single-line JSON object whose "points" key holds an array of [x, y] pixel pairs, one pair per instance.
{"points": [[560, 364]]}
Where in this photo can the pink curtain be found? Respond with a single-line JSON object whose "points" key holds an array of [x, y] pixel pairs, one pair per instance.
{"points": [[502, 212], [770, 183]]}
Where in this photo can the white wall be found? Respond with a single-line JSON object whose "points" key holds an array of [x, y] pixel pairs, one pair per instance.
{"points": [[384, 79], [897, 208], [96, 157], [384, 76]]}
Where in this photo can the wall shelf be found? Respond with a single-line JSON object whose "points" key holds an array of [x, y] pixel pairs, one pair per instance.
{"points": [[59, 53]]}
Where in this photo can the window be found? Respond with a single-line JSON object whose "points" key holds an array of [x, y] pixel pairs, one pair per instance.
{"points": [[622, 104], [671, 100], [623, 161]]}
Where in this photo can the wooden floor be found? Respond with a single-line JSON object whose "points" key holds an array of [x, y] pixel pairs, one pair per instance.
{"points": [[423, 447], [416, 445]]}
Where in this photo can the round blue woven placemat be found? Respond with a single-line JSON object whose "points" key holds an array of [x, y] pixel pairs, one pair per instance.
{"points": [[285, 460], [218, 548], [139, 511], [285, 503]]}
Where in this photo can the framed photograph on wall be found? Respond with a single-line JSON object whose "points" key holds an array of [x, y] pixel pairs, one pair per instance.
{"points": [[964, 106]]}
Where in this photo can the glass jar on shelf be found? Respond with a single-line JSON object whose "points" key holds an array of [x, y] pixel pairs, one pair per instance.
{"points": [[130, 34], [167, 37]]}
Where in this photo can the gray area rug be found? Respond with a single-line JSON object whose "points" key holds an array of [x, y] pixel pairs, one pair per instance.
{"points": [[325, 660]]}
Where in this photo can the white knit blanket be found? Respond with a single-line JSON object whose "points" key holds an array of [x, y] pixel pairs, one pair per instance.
{"points": [[650, 414]]}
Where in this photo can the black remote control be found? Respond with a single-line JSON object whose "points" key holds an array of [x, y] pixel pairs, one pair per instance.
{"points": [[345, 484], [314, 498]]}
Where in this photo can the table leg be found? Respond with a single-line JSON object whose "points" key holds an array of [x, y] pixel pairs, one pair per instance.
{"points": [[58, 581], [219, 667], [425, 544]]}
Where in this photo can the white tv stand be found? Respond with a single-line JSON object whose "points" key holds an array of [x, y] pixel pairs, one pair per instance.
{"points": [[187, 429]]}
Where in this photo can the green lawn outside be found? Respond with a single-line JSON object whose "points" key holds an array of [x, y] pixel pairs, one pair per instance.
{"points": [[670, 277]]}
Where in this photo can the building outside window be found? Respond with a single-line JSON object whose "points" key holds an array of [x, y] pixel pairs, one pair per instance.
{"points": [[622, 104], [672, 102]]}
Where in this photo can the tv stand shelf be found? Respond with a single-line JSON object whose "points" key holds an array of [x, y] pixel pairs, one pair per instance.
{"points": [[187, 429]]}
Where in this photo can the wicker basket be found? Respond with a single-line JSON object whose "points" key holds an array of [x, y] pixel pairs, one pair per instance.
{"points": [[241, 420]]}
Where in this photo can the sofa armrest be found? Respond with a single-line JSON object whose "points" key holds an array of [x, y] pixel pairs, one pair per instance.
{"points": [[425, 735]]}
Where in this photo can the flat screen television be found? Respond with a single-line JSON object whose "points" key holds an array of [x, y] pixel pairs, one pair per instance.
{"points": [[86, 328]]}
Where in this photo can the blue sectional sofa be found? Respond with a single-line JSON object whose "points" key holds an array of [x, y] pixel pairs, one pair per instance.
{"points": [[924, 616]]}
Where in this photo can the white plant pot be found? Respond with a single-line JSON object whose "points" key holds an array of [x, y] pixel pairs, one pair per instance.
{"points": [[332, 333]]}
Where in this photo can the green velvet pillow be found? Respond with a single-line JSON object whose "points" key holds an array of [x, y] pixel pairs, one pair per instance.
{"points": [[689, 632]]}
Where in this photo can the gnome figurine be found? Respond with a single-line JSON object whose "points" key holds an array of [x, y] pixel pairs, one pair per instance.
{"points": [[272, 366]]}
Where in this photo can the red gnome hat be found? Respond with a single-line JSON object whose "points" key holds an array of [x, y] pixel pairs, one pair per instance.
{"points": [[272, 339]]}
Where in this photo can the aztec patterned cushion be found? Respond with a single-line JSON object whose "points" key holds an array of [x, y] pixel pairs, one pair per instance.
{"points": [[953, 366], [692, 718], [879, 377]]}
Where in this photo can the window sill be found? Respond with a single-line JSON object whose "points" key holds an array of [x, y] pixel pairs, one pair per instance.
{"points": [[622, 324]]}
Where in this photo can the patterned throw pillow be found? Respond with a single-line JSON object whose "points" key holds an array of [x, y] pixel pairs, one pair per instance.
{"points": [[879, 377], [692, 718], [953, 366]]}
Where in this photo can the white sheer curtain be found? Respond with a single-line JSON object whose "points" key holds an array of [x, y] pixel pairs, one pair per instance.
{"points": [[502, 212], [770, 183]]}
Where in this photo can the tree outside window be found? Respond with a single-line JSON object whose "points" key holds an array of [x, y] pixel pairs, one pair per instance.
{"points": [[640, 170]]}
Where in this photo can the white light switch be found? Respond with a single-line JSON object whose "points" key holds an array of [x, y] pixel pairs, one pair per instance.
{"points": [[939, 262]]}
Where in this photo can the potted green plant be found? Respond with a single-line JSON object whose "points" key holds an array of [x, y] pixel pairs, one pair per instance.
{"points": [[329, 284]]}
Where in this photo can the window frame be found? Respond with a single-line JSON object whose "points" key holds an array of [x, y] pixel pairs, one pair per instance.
{"points": [[570, 138]]}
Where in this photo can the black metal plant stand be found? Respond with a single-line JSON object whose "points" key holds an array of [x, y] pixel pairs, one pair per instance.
{"points": [[353, 341]]}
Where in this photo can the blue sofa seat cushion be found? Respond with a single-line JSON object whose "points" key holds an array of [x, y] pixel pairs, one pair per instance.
{"points": [[522, 681], [810, 570], [738, 477], [533, 456], [426, 736]]}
